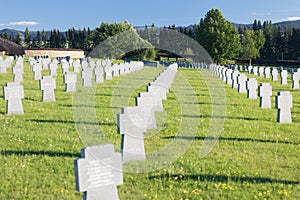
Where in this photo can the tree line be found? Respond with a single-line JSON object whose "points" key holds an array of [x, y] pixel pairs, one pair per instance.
{"points": [[217, 35]]}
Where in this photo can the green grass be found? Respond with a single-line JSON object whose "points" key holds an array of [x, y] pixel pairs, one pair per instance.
{"points": [[255, 157]]}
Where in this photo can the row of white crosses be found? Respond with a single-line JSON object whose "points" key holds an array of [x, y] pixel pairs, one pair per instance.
{"points": [[99, 170], [48, 83], [134, 121], [267, 72], [239, 80]]}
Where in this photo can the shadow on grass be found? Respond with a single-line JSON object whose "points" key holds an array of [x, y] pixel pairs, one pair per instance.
{"points": [[224, 179], [229, 139], [31, 99], [38, 153], [71, 122], [225, 117]]}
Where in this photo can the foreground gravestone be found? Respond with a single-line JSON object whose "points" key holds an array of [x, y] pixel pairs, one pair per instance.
{"points": [[48, 84], [87, 75], [132, 126], [284, 102], [70, 81], [241, 80], [265, 93], [274, 74], [295, 80], [251, 88], [284, 75], [98, 172], [13, 94]]}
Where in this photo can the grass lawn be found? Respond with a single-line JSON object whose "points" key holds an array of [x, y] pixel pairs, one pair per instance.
{"points": [[254, 158]]}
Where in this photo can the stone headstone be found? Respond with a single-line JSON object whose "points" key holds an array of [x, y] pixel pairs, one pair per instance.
{"points": [[261, 71], [274, 74], [37, 69], [157, 100], [70, 81], [132, 125], [158, 89], [84, 64], [87, 75], [76, 65], [251, 88], [18, 73], [13, 94], [284, 75], [241, 80], [48, 84], [108, 73], [255, 70], [267, 72], [265, 93], [65, 67], [228, 76], [3, 67], [146, 105], [115, 70], [250, 68], [295, 80], [234, 79], [284, 103], [98, 172], [53, 68], [99, 74]]}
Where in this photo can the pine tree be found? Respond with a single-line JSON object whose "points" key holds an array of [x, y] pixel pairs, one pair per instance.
{"points": [[27, 39], [218, 36], [17, 39]]}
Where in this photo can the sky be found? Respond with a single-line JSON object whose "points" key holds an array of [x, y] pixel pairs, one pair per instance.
{"points": [[65, 14]]}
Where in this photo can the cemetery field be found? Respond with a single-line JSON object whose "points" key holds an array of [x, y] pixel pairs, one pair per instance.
{"points": [[254, 158]]}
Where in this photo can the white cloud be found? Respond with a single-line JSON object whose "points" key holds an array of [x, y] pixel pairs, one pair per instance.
{"points": [[291, 19], [23, 23], [2, 24]]}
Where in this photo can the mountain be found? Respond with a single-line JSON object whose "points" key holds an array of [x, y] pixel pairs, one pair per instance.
{"points": [[12, 33]]}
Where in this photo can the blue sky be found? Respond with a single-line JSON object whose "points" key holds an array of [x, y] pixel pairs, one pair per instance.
{"points": [[64, 14]]}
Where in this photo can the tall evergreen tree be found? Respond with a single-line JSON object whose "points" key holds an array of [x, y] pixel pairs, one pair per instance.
{"points": [[218, 36], [27, 39]]}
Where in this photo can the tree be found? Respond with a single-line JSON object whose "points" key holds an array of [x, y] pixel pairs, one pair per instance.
{"points": [[252, 42], [116, 45], [17, 39], [269, 50], [218, 36], [27, 39], [5, 35]]}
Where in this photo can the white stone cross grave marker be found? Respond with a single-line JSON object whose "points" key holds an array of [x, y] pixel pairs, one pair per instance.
{"points": [[98, 172]]}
